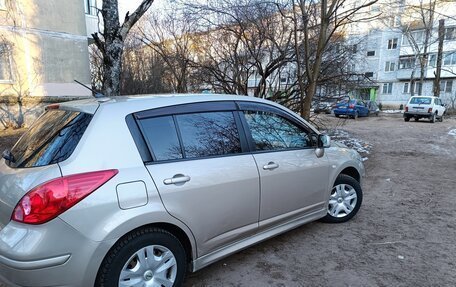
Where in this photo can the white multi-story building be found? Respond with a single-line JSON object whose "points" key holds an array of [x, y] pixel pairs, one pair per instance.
{"points": [[389, 52]]}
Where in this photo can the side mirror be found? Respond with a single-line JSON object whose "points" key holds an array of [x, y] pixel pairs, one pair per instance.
{"points": [[324, 141]]}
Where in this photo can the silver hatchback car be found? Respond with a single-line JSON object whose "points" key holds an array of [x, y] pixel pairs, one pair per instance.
{"points": [[137, 191]]}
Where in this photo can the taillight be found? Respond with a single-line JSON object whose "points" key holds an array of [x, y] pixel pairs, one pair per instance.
{"points": [[351, 106], [48, 200], [406, 108], [430, 110]]}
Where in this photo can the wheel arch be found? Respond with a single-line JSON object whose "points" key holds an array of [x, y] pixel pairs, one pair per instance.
{"points": [[353, 172]]}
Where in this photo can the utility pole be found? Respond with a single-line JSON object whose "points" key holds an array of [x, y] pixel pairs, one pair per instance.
{"points": [[438, 69]]}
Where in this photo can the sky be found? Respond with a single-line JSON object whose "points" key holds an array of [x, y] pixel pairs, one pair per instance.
{"points": [[131, 5]]}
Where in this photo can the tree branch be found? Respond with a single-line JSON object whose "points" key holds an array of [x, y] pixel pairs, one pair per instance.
{"points": [[130, 20]]}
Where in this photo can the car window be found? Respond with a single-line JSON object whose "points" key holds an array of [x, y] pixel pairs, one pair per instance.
{"points": [[161, 135], [421, 101], [51, 139], [273, 132], [209, 134]]}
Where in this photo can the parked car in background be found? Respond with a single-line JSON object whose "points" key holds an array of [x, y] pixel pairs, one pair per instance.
{"points": [[353, 108], [136, 191], [427, 107], [323, 107], [373, 108]]}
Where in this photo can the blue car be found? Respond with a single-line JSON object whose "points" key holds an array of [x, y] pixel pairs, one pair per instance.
{"points": [[353, 108]]}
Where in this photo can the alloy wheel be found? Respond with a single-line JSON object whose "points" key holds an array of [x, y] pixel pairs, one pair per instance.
{"points": [[151, 266], [342, 201]]}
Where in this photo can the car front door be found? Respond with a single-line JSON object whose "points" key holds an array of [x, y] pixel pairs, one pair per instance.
{"points": [[293, 179], [204, 177]]}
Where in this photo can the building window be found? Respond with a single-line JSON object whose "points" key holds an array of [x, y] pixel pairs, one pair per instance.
{"points": [[375, 8], [418, 87], [406, 63], [392, 44], [369, 74], [415, 37], [370, 53], [406, 89], [354, 48], [2, 4], [91, 7], [450, 33], [387, 88], [449, 58], [5, 63], [433, 60], [390, 66], [446, 86]]}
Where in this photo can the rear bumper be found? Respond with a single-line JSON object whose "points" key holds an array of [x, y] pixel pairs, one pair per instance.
{"points": [[417, 114], [52, 254], [347, 112]]}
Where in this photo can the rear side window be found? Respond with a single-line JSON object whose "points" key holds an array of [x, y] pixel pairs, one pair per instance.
{"points": [[193, 135], [51, 139], [161, 135]]}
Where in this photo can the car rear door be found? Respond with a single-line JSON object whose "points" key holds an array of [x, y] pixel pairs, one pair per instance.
{"points": [[203, 171], [293, 179]]}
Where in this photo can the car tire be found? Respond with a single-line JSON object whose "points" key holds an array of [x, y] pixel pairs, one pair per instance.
{"points": [[407, 119], [433, 117], [126, 255], [417, 119], [356, 115], [345, 200], [337, 115], [441, 118]]}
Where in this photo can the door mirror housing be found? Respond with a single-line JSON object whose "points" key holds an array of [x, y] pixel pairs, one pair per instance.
{"points": [[324, 141]]}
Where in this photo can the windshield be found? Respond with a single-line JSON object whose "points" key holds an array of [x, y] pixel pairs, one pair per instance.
{"points": [[421, 101], [51, 139]]}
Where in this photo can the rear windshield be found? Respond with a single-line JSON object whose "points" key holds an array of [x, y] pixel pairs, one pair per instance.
{"points": [[421, 101], [51, 139]]}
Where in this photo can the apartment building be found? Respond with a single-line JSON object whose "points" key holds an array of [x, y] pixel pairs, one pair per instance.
{"points": [[389, 51], [44, 47]]}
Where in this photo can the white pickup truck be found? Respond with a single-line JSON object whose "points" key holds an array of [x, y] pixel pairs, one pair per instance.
{"points": [[428, 107]]}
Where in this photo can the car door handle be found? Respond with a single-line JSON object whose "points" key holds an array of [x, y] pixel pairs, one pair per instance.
{"points": [[270, 166], [177, 179]]}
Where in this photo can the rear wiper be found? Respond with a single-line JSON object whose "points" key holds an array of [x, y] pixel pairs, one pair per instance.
{"points": [[7, 155]]}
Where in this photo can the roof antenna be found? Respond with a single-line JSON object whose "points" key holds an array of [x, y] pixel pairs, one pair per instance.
{"points": [[96, 94]]}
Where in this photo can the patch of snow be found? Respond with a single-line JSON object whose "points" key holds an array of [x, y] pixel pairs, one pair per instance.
{"points": [[452, 133], [347, 139], [393, 111]]}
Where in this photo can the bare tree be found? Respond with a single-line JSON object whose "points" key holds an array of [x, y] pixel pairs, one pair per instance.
{"points": [[111, 42], [314, 25], [143, 70], [172, 37], [418, 32], [247, 42]]}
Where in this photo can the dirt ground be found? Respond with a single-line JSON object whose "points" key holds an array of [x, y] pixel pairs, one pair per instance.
{"points": [[403, 234]]}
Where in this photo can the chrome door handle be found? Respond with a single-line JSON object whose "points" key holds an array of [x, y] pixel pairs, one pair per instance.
{"points": [[177, 179], [270, 166]]}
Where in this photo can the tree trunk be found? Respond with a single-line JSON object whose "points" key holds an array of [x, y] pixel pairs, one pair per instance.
{"points": [[112, 44], [113, 66], [438, 69], [113, 49]]}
